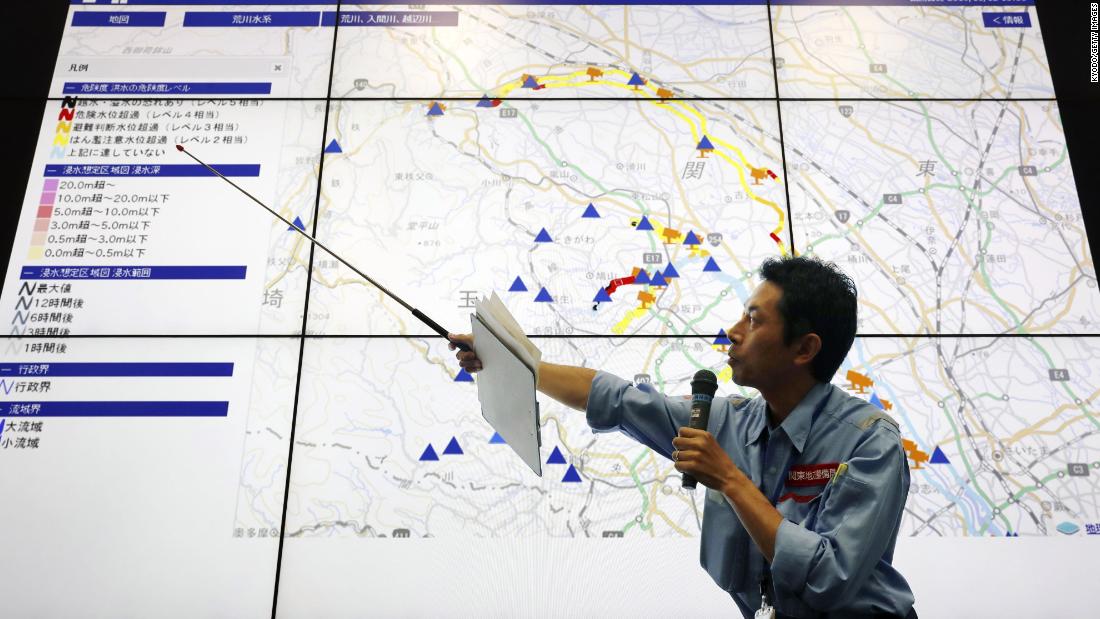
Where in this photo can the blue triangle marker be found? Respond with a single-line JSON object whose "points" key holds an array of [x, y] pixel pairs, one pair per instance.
{"points": [[452, 448], [722, 338], [712, 266], [429, 454], [692, 239], [671, 272], [658, 279], [333, 147], [938, 457], [590, 212], [435, 110], [543, 237], [571, 475], [705, 143], [644, 224], [530, 82], [556, 457], [543, 296], [463, 377], [642, 277], [485, 102], [636, 80], [518, 286], [602, 296], [297, 224], [497, 439], [2, 426], [877, 402]]}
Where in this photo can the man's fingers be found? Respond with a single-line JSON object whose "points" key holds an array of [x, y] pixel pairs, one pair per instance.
{"points": [[683, 442], [467, 359], [684, 455], [685, 460], [464, 338]]}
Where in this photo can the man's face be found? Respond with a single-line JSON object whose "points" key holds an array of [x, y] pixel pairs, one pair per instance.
{"points": [[758, 357]]}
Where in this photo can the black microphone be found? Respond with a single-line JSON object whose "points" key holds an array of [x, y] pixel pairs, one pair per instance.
{"points": [[703, 386]]}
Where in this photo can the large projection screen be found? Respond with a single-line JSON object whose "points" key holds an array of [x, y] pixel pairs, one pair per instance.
{"points": [[204, 414]]}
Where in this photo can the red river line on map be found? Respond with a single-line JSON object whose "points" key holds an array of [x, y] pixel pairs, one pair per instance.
{"points": [[615, 283]]}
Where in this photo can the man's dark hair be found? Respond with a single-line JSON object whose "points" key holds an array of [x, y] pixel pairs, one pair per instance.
{"points": [[817, 298]]}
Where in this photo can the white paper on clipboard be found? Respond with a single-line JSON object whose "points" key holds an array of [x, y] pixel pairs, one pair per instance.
{"points": [[506, 390], [496, 316]]}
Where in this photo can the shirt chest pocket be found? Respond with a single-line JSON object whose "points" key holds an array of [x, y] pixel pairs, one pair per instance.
{"points": [[795, 507], [804, 489], [842, 491]]}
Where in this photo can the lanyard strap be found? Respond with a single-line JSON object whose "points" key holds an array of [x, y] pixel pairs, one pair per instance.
{"points": [[773, 498]]}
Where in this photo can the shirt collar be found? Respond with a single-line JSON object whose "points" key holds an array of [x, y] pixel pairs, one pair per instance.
{"points": [[759, 420], [797, 424]]}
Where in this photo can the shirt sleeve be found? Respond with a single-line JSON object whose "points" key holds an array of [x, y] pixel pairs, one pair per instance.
{"points": [[645, 415], [826, 565]]}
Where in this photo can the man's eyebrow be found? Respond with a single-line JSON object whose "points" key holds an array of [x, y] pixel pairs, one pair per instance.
{"points": [[751, 308]]}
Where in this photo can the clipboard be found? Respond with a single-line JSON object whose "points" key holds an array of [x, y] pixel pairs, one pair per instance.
{"points": [[506, 390]]}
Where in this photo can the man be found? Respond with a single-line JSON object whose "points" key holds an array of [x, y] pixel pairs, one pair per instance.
{"points": [[806, 484]]}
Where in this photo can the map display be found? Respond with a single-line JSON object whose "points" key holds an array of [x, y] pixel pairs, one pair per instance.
{"points": [[298, 444]]}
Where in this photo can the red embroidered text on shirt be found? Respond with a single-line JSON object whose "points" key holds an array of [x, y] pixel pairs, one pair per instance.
{"points": [[811, 474]]}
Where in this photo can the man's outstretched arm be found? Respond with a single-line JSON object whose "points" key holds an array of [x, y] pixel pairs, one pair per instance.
{"points": [[565, 383], [609, 402]]}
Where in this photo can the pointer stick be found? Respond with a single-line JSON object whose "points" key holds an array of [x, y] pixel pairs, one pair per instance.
{"points": [[415, 312]]}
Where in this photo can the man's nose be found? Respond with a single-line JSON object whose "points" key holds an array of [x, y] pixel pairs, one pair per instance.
{"points": [[732, 334]]}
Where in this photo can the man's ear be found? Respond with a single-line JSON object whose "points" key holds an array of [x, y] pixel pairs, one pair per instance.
{"points": [[808, 347]]}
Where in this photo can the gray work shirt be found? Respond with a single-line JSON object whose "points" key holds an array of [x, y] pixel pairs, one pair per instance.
{"points": [[842, 499]]}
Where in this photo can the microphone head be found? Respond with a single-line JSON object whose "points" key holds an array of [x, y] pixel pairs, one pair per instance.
{"points": [[705, 382]]}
